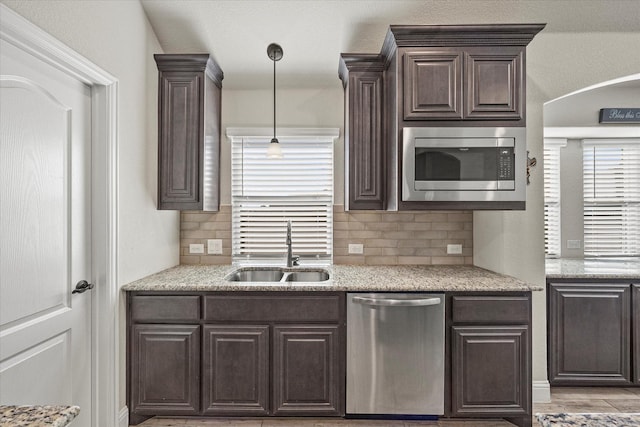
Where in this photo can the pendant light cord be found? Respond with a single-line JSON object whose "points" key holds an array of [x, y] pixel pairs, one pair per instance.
{"points": [[274, 51], [274, 98]]}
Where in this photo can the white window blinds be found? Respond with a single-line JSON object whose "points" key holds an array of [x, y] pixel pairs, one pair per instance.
{"points": [[611, 179], [552, 235], [266, 193]]}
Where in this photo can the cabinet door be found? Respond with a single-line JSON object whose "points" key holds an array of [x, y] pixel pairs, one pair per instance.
{"points": [[432, 85], [165, 369], [494, 83], [589, 335], [179, 150], [308, 362], [364, 149], [490, 371], [235, 370], [189, 98], [636, 332]]}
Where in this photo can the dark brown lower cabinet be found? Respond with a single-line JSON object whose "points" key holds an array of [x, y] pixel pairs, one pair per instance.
{"points": [[635, 289], [283, 354], [589, 333], [635, 327], [487, 368], [306, 371], [490, 356], [250, 354], [165, 369], [235, 370]]}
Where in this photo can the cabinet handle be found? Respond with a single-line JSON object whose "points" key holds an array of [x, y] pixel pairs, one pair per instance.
{"points": [[390, 302]]}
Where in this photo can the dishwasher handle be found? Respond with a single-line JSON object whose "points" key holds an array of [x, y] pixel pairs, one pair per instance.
{"points": [[393, 302]]}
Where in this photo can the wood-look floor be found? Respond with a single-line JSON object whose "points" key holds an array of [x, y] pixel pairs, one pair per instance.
{"points": [[573, 400]]}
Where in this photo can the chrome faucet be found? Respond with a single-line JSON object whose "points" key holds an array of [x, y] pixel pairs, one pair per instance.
{"points": [[291, 260]]}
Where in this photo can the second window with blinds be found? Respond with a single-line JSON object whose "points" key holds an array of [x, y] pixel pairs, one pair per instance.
{"points": [[267, 193], [592, 197]]}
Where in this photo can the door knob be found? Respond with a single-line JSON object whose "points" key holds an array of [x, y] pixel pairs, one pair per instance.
{"points": [[82, 286]]}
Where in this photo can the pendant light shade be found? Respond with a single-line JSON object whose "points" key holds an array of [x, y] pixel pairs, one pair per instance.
{"points": [[274, 151], [274, 51]]}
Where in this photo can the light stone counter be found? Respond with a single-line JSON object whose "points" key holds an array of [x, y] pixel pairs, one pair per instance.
{"points": [[37, 415], [410, 278], [620, 268]]}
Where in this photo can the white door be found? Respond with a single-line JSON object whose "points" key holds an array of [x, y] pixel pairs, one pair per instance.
{"points": [[45, 240]]}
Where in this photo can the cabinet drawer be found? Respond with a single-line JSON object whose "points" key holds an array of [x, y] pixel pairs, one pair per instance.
{"points": [[490, 309], [149, 308], [274, 308]]}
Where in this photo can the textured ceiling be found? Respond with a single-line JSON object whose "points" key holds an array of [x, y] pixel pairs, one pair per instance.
{"points": [[313, 33]]}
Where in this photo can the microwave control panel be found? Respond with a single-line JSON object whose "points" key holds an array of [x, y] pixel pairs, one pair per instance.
{"points": [[506, 165]]}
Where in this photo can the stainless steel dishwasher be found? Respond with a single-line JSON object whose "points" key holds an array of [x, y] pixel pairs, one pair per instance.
{"points": [[395, 353]]}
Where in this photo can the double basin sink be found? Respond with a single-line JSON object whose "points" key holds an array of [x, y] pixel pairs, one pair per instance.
{"points": [[277, 275]]}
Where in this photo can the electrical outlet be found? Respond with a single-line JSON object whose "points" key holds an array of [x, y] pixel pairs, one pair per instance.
{"points": [[454, 249], [196, 248], [214, 246], [574, 244], [356, 248]]}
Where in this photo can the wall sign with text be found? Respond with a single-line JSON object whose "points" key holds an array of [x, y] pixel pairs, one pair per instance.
{"points": [[619, 115]]}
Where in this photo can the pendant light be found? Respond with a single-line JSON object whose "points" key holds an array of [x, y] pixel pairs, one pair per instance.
{"points": [[274, 51]]}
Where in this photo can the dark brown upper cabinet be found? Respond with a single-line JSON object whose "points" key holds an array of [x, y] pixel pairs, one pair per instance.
{"points": [[189, 97], [474, 83], [494, 83], [433, 85], [362, 77], [427, 75], [458, 75]]}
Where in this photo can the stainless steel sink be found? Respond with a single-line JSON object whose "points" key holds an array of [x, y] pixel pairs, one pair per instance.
{"points": [[307, 276], [277, 275], [242, 275]]}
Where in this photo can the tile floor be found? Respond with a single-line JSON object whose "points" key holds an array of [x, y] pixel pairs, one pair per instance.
{"points": [[563, 399]]}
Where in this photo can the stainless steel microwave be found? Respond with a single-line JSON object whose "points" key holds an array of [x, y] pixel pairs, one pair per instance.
{"points": [[464, 164]]}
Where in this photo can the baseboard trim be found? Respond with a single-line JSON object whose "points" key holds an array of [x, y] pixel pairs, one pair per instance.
{"points": [[123, 417], [541, 392]]}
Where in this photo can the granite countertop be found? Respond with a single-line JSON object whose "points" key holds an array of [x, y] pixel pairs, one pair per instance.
{"points": [[592, 420], [37, 416], [410, 278], [619, 268]]}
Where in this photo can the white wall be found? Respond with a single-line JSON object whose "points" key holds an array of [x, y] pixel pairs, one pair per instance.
{"points": [[582, 109], [513, 242], [295, 108], [116, 36], [571, 199]]}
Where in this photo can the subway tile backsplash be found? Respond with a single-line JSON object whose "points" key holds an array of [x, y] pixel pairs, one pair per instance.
{"points": [[198, 227], [388, 238], [397, 238]]}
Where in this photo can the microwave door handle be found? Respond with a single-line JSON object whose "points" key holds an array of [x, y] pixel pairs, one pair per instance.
{"points": [[392, 302]]}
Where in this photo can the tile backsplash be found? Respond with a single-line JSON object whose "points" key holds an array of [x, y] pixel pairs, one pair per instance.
{"points": [[197, 227], [388, 238], [408, 237]]}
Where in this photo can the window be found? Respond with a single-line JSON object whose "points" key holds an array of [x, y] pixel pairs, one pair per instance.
{"points": [[611, 180], [552, 245], [266, 193]]}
